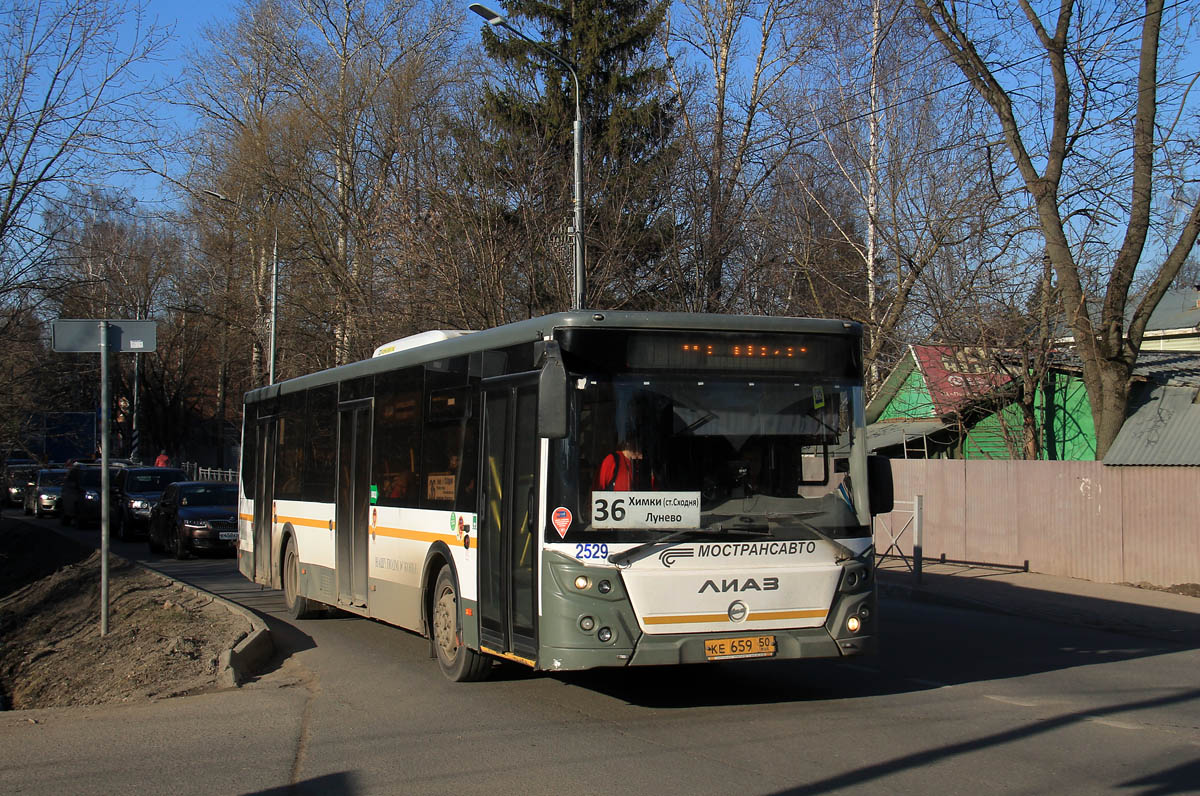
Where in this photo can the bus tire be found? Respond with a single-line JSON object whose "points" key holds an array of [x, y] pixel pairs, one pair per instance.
{"points": [[298, 606], [458, 663]]}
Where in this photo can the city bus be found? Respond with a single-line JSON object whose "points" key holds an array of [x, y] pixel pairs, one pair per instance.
{"points": [[585, 489]]}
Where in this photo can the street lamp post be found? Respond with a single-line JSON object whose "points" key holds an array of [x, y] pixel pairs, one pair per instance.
{"points": [[498, 21], [274, 285]]}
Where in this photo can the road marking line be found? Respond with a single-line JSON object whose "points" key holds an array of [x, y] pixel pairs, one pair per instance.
{"points": [[1120, 725], [1025, 703]]}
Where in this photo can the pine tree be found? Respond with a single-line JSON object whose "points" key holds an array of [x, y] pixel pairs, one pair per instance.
{"points": [[628, 120]]}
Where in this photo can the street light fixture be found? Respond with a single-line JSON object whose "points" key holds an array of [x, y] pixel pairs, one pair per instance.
{"points": [[274, 284], [499, 21]]}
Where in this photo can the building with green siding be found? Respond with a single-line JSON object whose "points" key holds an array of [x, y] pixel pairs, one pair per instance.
{"points": [[961, 402]]}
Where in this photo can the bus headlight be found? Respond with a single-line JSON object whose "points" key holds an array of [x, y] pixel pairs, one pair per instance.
{"points": [[604, 635], [586, 624], [582, 582], [853, 624], [604, 587]]}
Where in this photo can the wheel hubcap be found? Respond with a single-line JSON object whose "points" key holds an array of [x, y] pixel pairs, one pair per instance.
{"points": [[444, 625]]}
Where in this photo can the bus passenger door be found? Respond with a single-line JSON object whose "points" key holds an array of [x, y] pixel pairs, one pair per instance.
{"points": [[353, 500], [264, 497], [508, 533]]}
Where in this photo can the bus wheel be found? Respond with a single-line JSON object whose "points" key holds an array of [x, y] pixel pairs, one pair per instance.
{"points": [[299, 606], [458, 663]]}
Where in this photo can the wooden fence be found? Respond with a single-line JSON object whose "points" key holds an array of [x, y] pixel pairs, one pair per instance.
{"points": [[1074, 519]]}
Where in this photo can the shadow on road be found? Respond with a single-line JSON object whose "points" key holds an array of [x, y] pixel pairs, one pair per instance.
{"points": [[1180, 779], [341, 784], [921, 647]]}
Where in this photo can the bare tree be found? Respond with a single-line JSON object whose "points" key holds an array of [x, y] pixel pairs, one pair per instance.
{"points": [[730, 65], [73, 110], [1078, 97]]}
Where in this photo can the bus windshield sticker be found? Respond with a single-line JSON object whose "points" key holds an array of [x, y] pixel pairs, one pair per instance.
{"points": [[374, 494], [645, 509], [818, 397], [562, 520], [440, 487]]}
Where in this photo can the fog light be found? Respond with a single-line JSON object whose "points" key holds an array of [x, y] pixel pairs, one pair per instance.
{"points": [[852, 624], [604, 587], [586, 624], [582, 582], [604, 635]]}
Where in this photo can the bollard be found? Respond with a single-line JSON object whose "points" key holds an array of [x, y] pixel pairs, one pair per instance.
{"points": [[918, 526]]}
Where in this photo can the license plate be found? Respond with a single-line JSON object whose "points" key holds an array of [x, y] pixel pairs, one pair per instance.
{"points": [[744, 647], [228, 535]]}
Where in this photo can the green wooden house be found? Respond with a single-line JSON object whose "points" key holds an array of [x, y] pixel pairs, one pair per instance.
{"points": [[960, 402]]}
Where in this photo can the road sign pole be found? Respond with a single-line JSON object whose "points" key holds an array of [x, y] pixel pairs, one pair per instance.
{"points": [[78, 336], [104, 495]]}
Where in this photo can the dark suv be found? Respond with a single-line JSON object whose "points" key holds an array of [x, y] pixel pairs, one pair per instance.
{"points": [[135, 492], [80, 498]]}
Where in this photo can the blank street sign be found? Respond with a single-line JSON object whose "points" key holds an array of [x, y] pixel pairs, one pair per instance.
{"points": [[83, 336]]}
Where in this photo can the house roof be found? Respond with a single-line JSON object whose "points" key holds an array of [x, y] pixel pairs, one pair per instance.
{"points": [[1178, 368], [1177, 311], [1164, 429], [953, 375], [896, 432]]}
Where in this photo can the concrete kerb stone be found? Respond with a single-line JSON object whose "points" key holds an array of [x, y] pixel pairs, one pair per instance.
{"points": [[249, 652]]}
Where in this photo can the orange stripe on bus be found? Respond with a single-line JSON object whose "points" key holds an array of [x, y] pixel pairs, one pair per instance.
{"points": [[421, 536], [761, 616], [678, 620], [306, 522]]}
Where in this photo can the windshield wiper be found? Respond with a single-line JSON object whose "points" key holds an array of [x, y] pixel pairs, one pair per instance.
{"points": [[720, 529], [843, 551]]}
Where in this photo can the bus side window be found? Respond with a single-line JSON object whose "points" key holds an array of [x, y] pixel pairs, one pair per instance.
{"points": [[396, 466]]}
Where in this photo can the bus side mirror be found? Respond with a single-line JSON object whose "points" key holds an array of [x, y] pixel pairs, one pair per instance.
{"points": [[552, 393], [882, 492]]}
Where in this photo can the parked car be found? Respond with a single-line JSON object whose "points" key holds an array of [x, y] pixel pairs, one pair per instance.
{"points": [[42, 498], [195, 516], [17, 479], [80, 498], [135, 492]]}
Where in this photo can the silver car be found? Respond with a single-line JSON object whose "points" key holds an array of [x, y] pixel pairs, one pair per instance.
{"points": [[42, 498]]}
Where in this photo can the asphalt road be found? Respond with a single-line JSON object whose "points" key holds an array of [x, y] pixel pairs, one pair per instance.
{"points": [[958, 702]]}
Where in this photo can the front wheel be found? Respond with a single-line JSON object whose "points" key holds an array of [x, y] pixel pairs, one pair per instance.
{"points": [[458, 662], [299, 606], [179, 548]]}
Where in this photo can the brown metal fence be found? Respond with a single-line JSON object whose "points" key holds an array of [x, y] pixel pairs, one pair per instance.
{"points": [[1074, 519]]}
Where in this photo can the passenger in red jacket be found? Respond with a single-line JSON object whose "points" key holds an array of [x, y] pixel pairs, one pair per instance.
{"points": [[624, 470]]}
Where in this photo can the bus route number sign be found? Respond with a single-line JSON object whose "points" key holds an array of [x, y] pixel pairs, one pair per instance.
{"points": [[645, 509]]}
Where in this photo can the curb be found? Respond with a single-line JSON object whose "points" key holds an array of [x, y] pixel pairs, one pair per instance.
{"points": [[236, 664]]}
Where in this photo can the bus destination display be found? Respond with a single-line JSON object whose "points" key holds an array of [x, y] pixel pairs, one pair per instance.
{"points": [[765, 353]]}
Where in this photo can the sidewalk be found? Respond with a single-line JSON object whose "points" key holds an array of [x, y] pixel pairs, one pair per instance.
{"points": [[1163, 616]]}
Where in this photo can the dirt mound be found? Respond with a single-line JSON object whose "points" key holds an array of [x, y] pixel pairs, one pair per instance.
{"points": [[163, 640]]}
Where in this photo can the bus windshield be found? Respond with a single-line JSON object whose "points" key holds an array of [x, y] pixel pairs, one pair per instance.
{"points": [[671, 451]]}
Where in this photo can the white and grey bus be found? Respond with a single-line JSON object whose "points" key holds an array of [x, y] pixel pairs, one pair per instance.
{"points": [[579, 490]]}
